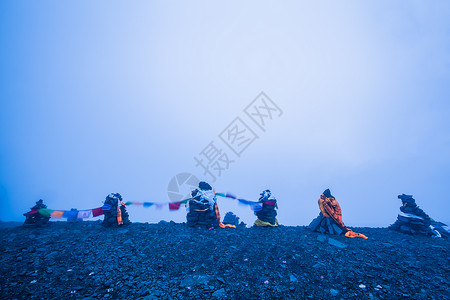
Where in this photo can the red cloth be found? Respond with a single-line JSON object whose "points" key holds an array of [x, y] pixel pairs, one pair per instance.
{"points": [[174, 205], [97, 212], [33, 211], [269, 203]]}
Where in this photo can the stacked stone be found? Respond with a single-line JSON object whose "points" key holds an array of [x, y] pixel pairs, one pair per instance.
{"points": [[201, 215], [268, 211], [326, 225], [412, 219], [35, 218], [231, 218], [201, 209], [115, 199]]}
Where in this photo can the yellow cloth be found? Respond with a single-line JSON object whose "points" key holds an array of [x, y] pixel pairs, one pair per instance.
{"points": [[258, 222]]}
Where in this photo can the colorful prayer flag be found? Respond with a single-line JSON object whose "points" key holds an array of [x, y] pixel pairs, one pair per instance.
{"points": [[256, 206], [97, 212], [84, 214], [148, 204], [70, 214], [185, 201], [46, 211], [174, 205], [57, 214], [243, 201], [229, 195], [106, 207]]}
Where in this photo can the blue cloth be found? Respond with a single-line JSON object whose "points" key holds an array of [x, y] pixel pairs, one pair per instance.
{"points": [[70, 214], [106, 207]]}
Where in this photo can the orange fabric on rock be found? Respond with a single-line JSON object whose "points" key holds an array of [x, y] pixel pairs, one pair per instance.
{"points": [[330, 208], [221, 225], [352, 234], [119, 216]]}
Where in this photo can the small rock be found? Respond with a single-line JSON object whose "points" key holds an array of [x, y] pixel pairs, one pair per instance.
{"points": [[219, 293], [334, 292], [292, 278], [336, 243], [221, 280], [192, 280], [321, 238], [108, 283], [372, 297], [318, 265]]}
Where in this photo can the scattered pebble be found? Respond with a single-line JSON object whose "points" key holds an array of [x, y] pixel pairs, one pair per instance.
{"points": [[165, 256], [334, 292]]}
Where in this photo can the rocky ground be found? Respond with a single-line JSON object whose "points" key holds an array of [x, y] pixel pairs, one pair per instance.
{"points": [[170, 261]]}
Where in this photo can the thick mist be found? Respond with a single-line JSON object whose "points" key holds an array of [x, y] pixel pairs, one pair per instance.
{"points": [[111, 97]]}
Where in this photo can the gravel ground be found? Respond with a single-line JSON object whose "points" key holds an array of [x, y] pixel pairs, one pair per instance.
{"points": [[171, 261]]}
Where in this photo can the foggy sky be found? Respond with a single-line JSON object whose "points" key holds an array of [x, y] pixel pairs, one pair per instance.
{"points": [[100, 97]]}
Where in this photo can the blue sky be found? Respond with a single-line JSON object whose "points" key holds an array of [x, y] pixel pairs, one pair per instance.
{"points": [[112, 97]]}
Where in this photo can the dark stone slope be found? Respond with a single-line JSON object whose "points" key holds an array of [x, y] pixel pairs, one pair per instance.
{"points": [[171, 261]]}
